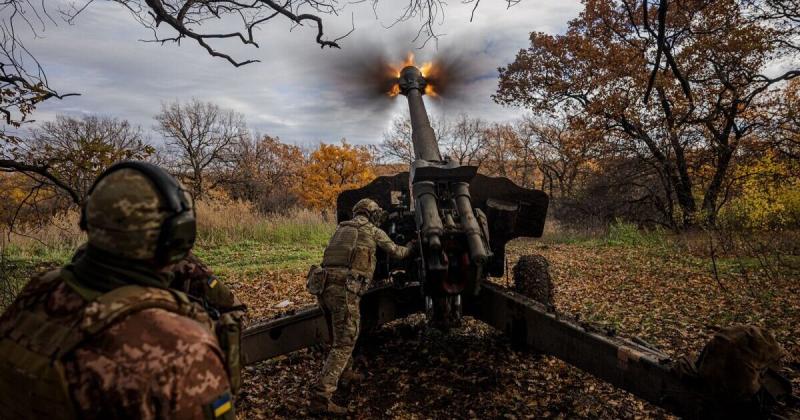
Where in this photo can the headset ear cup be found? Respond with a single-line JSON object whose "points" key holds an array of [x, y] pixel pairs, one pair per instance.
{"points": [[177, 237]]}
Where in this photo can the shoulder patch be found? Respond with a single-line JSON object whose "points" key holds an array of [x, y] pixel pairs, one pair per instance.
{"points": [[220, 408], [212, 281]]}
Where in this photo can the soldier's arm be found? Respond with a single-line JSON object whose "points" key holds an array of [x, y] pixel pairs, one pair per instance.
{"points": [[395, 251], [193, 277]]}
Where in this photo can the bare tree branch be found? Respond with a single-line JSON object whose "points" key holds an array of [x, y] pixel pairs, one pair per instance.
{"points": [[43, 171]]}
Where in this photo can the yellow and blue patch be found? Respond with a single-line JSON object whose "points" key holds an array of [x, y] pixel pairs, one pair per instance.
{"points": [[222, 405], [212, 282]]}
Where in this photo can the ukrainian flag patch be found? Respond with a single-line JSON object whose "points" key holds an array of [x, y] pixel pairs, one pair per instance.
{"points": [[212, 282], [222, 405]]}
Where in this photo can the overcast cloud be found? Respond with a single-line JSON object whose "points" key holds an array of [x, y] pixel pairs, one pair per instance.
{"points": [[293, 92]]}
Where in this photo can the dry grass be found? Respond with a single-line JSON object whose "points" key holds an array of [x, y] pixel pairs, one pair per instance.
{"points": [[60, 232], [220, 222], [237, 240], [228, 221]]}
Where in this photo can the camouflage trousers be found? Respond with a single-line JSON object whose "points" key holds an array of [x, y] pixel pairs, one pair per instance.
{"points": [[343, 317]]}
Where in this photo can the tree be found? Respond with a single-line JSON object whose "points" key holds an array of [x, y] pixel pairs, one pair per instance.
{"points": [[78, 150], [200, 137], [332, 169], [784, 127], [23, 83], [397, 144], [64, 156], [264, 172], [706, 92], [466, 142], [560, 150], [502, 145], [462, 141], [54, 167]]}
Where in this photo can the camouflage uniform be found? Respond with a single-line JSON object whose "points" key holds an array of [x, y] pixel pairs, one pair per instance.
{"points": [[195, 278], [103, 337], [154, 363], [343, 285]]}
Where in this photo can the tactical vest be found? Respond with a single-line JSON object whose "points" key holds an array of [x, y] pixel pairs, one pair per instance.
{"points": [[351, 248], [32, 377]]}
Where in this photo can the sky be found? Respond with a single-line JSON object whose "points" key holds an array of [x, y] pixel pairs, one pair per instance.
{"points": [[296, 91]]}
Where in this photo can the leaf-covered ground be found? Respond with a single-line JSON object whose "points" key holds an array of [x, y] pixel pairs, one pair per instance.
{"points": [[665, 297]]}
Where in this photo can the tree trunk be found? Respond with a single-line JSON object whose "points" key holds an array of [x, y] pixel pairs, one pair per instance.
{"points": [[714, 188]]}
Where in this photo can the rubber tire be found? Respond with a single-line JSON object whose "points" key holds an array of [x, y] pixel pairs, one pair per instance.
{"points": [[532, 279]]}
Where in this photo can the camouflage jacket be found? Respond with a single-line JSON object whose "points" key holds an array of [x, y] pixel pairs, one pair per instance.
{"points": [[152, 363]]}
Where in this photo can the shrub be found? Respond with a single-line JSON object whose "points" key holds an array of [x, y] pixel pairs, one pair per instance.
{"points": [[769, 199], [621, 233]]}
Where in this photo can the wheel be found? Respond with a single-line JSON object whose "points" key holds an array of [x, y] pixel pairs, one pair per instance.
{"points": [[532, 279]]}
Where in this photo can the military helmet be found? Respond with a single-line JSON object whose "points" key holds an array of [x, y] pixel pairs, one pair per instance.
{"points": [[136, 210], [370, 209]]}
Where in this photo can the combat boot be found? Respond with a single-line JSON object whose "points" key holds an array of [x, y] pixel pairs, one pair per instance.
{"points": [[322, 405]]}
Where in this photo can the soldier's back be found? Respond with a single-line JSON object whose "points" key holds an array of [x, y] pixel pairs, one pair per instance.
{"points": [[150, 362]]}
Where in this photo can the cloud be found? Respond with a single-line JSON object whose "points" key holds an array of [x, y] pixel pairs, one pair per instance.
{"points": [[295, 92]]}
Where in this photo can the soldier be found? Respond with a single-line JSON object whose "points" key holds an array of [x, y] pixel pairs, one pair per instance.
{"points": [[104, 337], [193, 277], [348, 264]]}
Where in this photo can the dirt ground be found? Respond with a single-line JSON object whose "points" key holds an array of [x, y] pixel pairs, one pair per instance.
{"points": [[666, 298]]}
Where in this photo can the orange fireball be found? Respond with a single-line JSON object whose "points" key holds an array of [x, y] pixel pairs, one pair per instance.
{"points": [[426, 69]]}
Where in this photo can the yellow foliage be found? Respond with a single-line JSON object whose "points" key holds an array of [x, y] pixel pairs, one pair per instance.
{"points": [[15, 189], [332, 169], [769, 198]]}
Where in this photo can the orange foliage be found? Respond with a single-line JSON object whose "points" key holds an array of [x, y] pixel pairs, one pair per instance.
{"points": [[332, 169], [19, 193]]}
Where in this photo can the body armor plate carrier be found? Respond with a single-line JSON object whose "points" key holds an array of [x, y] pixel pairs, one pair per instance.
{"points": [[32, 379], [345, 250]]}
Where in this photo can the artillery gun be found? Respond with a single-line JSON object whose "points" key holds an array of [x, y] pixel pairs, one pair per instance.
{"points": [[463, 221]]}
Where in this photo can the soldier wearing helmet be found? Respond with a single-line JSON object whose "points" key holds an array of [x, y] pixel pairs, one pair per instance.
{"points": [[348, 264], [104, 336]]}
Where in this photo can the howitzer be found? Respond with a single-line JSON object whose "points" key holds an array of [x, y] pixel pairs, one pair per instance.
{"points": [[463, 221]]}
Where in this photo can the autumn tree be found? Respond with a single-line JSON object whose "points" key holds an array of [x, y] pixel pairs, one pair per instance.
{"points": [[200, 137], [264, 171], [465, 141], [560, 150], [501, 143], [397, 144], [61, 160], [332, 169], [78, 149], [710, 80], [784, 127]]}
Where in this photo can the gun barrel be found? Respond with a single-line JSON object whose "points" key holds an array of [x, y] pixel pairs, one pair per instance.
{"points": [[412, 85]]}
